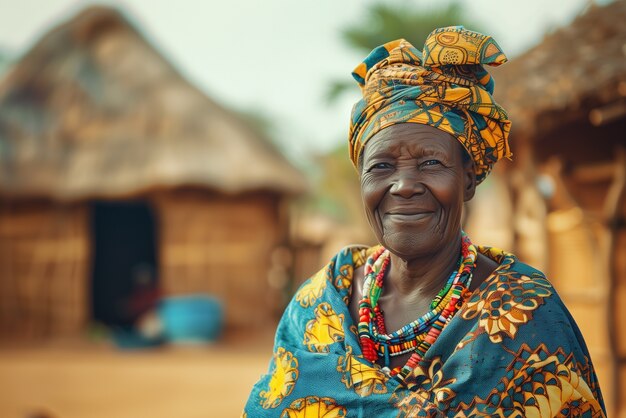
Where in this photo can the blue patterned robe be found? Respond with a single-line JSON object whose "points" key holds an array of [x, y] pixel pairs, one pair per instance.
{"points": [[512, 350]]}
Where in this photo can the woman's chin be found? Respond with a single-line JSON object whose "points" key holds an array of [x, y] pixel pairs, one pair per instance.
{"points": [[411, 247]]}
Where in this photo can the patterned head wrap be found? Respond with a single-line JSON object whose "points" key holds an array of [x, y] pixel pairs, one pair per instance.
{"points": [[445, 87]]}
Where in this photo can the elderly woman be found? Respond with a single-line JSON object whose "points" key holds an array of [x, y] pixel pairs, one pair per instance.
{"points": [[427, 323]]}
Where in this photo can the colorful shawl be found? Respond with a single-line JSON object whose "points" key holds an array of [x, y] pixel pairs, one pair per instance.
{"points": [[446, 87], [512, 350]]}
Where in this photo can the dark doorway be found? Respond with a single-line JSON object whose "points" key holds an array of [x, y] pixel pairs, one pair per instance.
{"points": [[124, 261]]}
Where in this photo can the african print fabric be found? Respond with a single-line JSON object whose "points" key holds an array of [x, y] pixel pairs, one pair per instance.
{"points": [[512, 350], [445, 86]]}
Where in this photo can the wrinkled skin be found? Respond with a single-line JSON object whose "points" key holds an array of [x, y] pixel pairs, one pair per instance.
{"points": [[414, 182]]}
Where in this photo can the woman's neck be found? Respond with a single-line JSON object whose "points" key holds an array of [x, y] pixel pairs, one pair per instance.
{"points": [[421, 277]]}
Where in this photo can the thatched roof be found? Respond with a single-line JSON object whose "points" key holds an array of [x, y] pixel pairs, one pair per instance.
{"points": [[92, 110], [577, 72]]}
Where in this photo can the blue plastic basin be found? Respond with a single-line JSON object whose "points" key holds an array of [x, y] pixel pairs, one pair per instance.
{"points": [[191, 319]]}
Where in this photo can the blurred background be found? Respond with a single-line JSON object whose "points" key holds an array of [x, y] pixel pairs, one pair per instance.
{"points": [[171, 172]]}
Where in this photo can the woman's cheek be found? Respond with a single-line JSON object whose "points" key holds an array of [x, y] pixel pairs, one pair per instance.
{"points": [[369, 191], [371, 199]]}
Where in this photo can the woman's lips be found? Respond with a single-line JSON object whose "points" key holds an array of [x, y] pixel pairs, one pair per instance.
{"points": [[408, 216]]}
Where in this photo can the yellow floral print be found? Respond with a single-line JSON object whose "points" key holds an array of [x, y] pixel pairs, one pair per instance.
{"points": [[325, 329], [314, 407], [283, 379], [503, 364], [359, 257], [310, 292], [363, 378]]}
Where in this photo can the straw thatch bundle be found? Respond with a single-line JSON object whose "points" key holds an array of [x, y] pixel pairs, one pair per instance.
{"points": [[577, 72], [93, 110]]}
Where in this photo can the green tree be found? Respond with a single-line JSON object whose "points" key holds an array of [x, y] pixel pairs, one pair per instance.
{"points": [[385, 22], [5, 61]]}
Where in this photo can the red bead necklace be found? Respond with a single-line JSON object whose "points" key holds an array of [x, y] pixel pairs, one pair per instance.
{"points": [[420, 334]]}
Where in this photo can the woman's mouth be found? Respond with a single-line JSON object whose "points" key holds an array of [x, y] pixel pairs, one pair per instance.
{"points": [[408, 216]]}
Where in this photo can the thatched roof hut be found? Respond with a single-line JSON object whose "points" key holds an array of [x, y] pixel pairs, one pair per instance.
{"points": [[93, 110], [576, 76], [110, 160], [567, 100]]}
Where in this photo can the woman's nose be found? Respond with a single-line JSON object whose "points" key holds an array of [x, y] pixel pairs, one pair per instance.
{"points": [[406, 185]]}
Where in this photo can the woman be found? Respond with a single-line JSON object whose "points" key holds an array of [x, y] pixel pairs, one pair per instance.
{"points": [[427, 324]]}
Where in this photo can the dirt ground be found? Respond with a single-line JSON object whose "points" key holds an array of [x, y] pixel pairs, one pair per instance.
{"points": [[78, 379]]}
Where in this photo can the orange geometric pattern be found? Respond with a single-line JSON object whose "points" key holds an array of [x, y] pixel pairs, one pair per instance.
{"points": [[540, 383], [445, 86], [506, 304]]}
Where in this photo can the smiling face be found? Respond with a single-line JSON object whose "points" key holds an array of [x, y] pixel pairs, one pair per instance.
{"points": [[414, 180]]}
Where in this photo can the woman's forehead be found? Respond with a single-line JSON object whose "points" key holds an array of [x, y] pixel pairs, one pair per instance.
{"points": [[410, 135]]}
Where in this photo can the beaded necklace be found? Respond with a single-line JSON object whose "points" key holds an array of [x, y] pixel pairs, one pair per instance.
{"points": [[420, 334]]}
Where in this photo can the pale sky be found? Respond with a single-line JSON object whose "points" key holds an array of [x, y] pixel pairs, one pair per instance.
{"points": [[276, 56]]}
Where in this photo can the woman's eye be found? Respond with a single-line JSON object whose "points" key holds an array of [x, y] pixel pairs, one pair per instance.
{"points": [[431, 162], [380, 166]]}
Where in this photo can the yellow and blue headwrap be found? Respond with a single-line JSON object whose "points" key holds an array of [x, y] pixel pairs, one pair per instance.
{"points": [[445, 87]]}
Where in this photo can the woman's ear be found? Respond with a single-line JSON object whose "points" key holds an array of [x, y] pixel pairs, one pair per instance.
{"points": [[469, 180]]}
